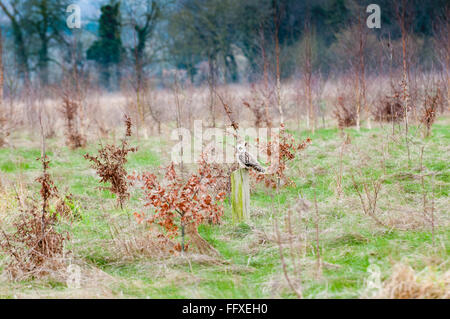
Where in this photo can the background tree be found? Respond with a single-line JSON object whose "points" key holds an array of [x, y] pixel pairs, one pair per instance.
{"points": [[143, 17], [205, 30], [46, 23], [442, 45], [13, 12], [107, 50]]}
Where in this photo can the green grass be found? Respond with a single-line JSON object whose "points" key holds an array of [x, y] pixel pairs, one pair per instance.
{"points": [[349, 240]]}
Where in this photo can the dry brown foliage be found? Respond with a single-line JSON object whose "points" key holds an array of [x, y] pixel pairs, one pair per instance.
{"points": [[287, 150], [110, 165], [222, 173], [390, 108], [35, 247], [182, 204], [258, 106], [405, 283], [344, 112], [431, 105], [229, 112], [4, 132], [257, 111], [70, 112]]}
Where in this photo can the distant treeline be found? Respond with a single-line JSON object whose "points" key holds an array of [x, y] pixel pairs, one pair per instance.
{"points": [[216, 41]]}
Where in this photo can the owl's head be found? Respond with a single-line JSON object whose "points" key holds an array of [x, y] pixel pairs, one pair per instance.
{"points": [[241, 148]]}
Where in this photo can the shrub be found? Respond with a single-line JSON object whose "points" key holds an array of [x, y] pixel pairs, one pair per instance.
{"points": [[35, 247], [287, 151], [431, 105], [344, 113], [70, 112], [110, 165], [182, 205], [390, 108], [259, 106]]}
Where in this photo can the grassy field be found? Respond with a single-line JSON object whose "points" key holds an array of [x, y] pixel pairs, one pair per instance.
{"points": [[354, 249]]}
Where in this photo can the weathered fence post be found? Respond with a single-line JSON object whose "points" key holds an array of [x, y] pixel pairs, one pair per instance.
{"points": [[240, 195]]}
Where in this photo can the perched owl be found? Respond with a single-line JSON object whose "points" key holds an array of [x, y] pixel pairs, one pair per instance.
{"points": [[247, 160]]}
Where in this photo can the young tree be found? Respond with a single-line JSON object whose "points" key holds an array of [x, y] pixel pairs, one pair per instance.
{"points": [[142, 16], [3, 119], [277, 20], [404, 15], [181, 204], [307, 68], [1, 71], [442, 45], [360, 68], [353, 46]]}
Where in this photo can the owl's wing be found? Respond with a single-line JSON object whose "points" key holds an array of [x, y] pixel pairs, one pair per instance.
{"points": [[249, 161], [243, 158]]}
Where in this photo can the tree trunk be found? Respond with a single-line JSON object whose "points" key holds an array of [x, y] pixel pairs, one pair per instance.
{"points": [[203, 246]]}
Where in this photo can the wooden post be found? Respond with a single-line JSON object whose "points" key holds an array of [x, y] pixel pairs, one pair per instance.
{"points": [[240, 195]]}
